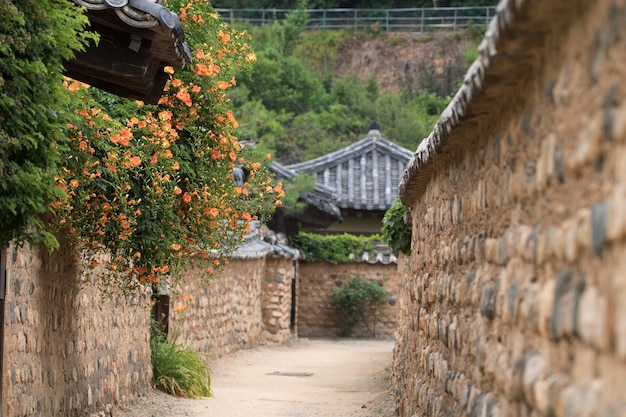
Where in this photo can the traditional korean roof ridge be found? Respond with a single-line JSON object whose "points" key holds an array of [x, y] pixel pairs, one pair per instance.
{"points": [[508, 54], [150, 14], [365, 174], [381, 254], [131, 65], [261, 242], [322, 197]]}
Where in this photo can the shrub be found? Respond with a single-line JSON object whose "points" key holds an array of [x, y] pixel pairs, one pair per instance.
{"points": [[354, 301], [394, 231], [332, 248]]}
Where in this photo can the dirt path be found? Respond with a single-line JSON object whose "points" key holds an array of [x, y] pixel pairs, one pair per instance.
{"points": [[325, 378]]}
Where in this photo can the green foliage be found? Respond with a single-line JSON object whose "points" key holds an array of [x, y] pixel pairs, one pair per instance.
{"points": [[35, 36], [302, 183], [355, 300], [295, 108], [477, 33], [178, 370], [394, 230], [332, 248]]}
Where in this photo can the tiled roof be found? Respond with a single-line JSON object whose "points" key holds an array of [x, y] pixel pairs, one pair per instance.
{"points": [[138, 38], [261, 242], [365, 174], [322, 197], [381, 254]]}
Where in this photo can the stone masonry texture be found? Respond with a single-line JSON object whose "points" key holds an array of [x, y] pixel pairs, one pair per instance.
{"points": [[67, 350], [316, 280], [246, 304], [514, 301]]}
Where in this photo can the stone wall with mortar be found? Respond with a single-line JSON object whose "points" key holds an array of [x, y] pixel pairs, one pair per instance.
{"points": [[222, 315], [316, 280], [276, 299], [246, 304], [514, 303], [67, 351]]}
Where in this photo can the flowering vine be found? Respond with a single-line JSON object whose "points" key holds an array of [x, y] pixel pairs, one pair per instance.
{"points": [[149, 194]]}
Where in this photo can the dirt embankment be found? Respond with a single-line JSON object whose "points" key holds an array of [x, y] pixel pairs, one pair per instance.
{"points": [[403, 61]]}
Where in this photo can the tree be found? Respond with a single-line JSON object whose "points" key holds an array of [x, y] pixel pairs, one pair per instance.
{"points": [[35, 37]]}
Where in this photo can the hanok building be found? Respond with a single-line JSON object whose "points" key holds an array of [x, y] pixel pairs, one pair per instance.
{"points": [[319, 212], [138, 38], [365, 176]]}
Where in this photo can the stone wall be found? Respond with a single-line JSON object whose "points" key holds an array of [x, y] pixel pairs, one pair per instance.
{"points": [[316, 280], [67, 351], [514, 303], [276, 299], [222, 315], [246, 304]]}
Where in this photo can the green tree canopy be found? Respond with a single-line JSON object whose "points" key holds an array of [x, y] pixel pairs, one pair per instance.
{"points": [[35, 37]]}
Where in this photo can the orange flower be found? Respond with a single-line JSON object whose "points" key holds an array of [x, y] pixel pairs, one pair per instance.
{"points": [[175, 246], [203, 71], [268, 156], [169, 70], [184, 96], [213, 212], [176, 83], [177, 191], [165, 115], [251, 58], [199, 54], [74, 182], [115, 138], [224, 37], [135, 161], [175, 166], [232, 118], [196, 89], [124, 142], [154, 159], [186, 198], [222, 85]]}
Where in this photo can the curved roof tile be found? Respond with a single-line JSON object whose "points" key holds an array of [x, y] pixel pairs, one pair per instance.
{"points": [[365, 174], [322, 197]]}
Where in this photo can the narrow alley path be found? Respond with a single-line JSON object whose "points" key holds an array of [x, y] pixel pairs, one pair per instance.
{"points": [[325, 378]]}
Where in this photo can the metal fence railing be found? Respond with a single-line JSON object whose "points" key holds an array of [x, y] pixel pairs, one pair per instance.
{"points": [[416, 20]]}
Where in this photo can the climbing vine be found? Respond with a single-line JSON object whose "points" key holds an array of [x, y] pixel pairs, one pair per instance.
{"points": [[140, 194], [149, 194]]}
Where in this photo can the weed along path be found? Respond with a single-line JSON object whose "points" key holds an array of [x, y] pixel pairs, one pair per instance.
{"points": [[325, 378]]}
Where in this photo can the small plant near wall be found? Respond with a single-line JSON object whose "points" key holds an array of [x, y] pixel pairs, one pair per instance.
{"points": [[394, 231], [178, 369], [359, 300]]}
